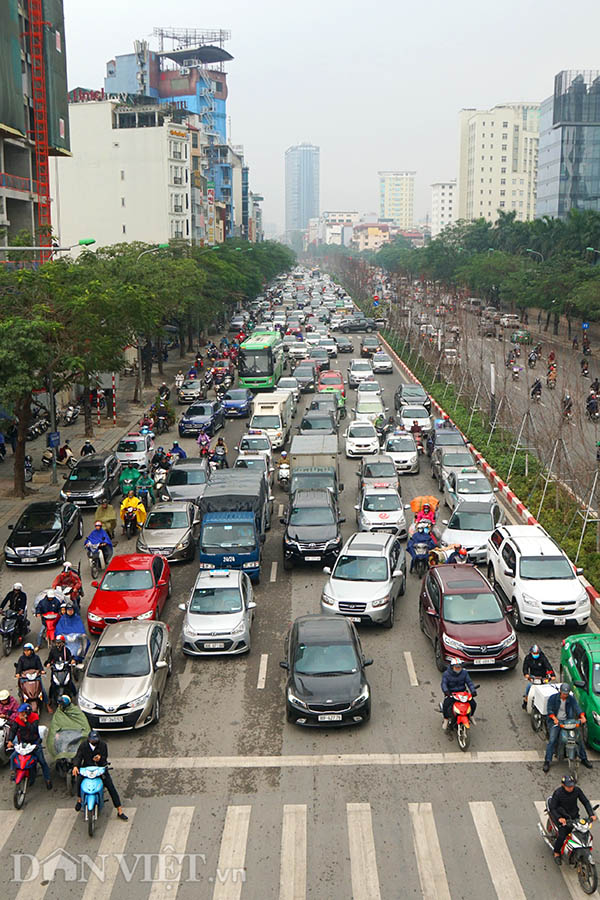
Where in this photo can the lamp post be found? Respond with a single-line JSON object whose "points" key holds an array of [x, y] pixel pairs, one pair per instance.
{"points": [[139, 345], [592, 250], [153, 250], [84, 242], [536, 253]]}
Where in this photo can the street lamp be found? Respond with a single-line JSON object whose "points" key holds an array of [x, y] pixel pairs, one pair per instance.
{"points": [[592, 250], [536, 253], [153, 250], [84, 242]]}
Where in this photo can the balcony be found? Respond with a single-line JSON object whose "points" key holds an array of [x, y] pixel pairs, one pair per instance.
{"points": [[18, 183]]}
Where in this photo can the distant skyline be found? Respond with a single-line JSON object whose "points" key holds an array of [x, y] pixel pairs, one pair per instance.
{"points": [[302, 168], [376, 87]]}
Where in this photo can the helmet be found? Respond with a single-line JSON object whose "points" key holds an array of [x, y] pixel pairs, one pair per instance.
{"points": [[64, 701], [87, 441], [60, 637], [415, 422], [568, 781], [421, 526], [161, 450], [284, 454], [456, 662], [462, 552], [176, 443], [93, 737], [564, 688], [24, 707], [534, 650], [28, 646], [426, 506], [67, 566], [17, 586], [4, 695], [68, 604], [98, 522]]}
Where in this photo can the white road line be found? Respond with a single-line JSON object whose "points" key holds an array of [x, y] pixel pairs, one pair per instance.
{"points": [[230, 872], [569, 877], [412, 674], [10, 817], [55, 838], [497, 855], [363, 862], [114, 841], [273, 571], [173, 843], [262, 671], [280, 513], [292, 879], [432, 873]]}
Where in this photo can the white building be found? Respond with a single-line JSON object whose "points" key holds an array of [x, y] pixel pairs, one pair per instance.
{"points": [[128, 178], [396, 197], [498, 161], [443, 205]]}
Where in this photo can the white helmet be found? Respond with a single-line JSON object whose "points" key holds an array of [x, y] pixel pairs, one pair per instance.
{"points": [[17, 586], [284, 454], [67, 566]]}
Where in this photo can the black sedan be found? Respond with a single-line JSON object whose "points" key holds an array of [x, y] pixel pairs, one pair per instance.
{"points": [[312, 529], [306, 375], [207, 415], [42, 534], [326, 683], [344, 344]]}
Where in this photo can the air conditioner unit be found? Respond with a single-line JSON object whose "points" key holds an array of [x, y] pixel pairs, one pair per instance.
{"points": [[184, 70]]}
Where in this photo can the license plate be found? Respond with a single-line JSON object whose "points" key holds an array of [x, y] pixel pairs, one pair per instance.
{"points": [[353, 618], [80, 502], [484, 662], [214, 645], [330, 717], [312, 558], [106, 720], [28, 559], [560, 620]]}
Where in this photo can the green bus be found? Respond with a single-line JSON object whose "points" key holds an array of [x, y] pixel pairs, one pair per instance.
{"points": [[261, 361]]}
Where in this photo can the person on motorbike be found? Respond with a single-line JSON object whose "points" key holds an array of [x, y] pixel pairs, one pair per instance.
{"points": [[159, 459], [536, 665], [203, 440], [176, 450], [446, 423], [536, 390], [94, 752], [164, 391], [129, 477], [49, 603], [71, 625], [59, 652], [9, 706], [422, 535], [68, 578], [87, 449], [146, 482], [562, 707], [179, 379], [133, 502], [564, 805], [595, 386], [25, 730], [585, 368], [551, 358], [30, 660], [100, 538], [567, 404], [68, 717], [591, 405], [416, 431], [64, 452], [283, 461], [16, 600], [425, 514], [219, 452], [532, 358], [454, 680], [106, 515]]}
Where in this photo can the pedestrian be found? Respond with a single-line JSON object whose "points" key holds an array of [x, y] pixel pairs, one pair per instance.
{"points": [[526, 318], [539, 321], [575, 343], [2, 446]]}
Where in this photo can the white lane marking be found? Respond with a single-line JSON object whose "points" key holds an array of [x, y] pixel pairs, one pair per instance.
{"points": [[111, 846], [232, 855], [280, 513], [10, 817], [292, 879], [56, 836], [432, 873], [569, 876], [273, 571], [262, 671], [363, 862], [495, 849], [174, 838], [412, 674]]}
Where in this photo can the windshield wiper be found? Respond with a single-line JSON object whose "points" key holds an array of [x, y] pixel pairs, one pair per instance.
{"points": [[337, 672]]}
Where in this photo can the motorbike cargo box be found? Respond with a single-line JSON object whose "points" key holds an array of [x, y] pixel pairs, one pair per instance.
{"points": [[541, 693]]}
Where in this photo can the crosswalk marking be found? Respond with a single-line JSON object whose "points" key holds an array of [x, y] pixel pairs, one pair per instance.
{"points": [[495, 849], [262, 671], [292, 880], [174, 841], [363, 862], [10, 817], [114, 841], [432, 873], [569, 876], [232, 855], [56, 837]]}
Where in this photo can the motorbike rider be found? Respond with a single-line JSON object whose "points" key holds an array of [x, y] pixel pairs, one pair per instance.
{"points": [[551, 377], [48, 603], [595, 386], [422, 535], [8, 706], [551, 358], [27, 661], [129, 476], [99, 537], [532, 358], [591, 404], [69, 578], [585, 367], [219, 451], [59, 652], [71, 624], [536, 389], [64, 452], [106, 515], [454, 680], [159, 459], [563, 806], [561, 707], [164, 391], [133, 502], [16, 600], [25, 730], [425, 514], [87, 448], [416, 431], [147, 482], [94, 752], [176, 450], [203, 440], [567, 404], [536, 665]]}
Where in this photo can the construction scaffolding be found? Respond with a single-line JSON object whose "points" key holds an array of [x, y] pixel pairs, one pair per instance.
{"points": [[39, 134]]}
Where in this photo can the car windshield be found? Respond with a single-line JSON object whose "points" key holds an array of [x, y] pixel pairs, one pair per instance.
{"points": [[449, 438], [252, 443], [380, 470], [238, 534], [200, 409], [473, 486], [304, 371], [127, 580], [381, 502], [361, 367], [471, 521], [545, 568], [463, 609], [369, 406], [287, 383], [414, 412], [264, 421], [312, 515], [361, 431], [192, 384], [409, 393], [87, 473], [318, 423], [361, 568], [245, 462], [131, 446], [304, 481], [179, 477], [131, 661], [236, 395], [325, 659], [401, 445], [453, 460], [42, 520], [166, 519], [366, 387], [215, 601], [381, 358]]}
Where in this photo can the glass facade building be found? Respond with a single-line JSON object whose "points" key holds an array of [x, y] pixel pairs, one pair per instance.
{"points": [[569, 148], [301, 186]]}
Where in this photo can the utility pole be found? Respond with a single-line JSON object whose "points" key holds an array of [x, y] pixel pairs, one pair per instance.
{"points": [[52, 424], [492, 392]]}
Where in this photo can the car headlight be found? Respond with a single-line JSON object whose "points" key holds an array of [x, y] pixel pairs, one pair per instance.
{"points": [[508, 641], [450, 642], [334, 541], [84, 703], [164, 497], [239, 628], [290, 542], [327, 600], [183, 544], [99, 492], [528, 600], [140, 701], [8, 551], [295, 701], [381, 602], [53, 547], [142, 545], [364, 695], [412, 460], [596, 718], [94, 618], [146, 615]]}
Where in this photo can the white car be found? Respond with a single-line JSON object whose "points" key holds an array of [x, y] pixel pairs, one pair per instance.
{"points": [[361, 439], [256, 463], [136, 449], [382, 363], [256, 442], [298, 351], [410, 414], [468, 484], [509, 320], [368, 389], [219, 614], [381, 509], [359, 370], [471, 525], [402, 448], [368, 409], [289, 383]]}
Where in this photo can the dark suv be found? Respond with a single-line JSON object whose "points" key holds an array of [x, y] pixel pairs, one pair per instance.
{"points": [[312, 529], [411, 395], [359, 323], [94, 478]]}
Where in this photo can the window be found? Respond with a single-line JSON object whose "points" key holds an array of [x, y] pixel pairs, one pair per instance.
{"points": [[502, 193], [496, 539], [504, 137], [503, 171], [433, 592], [503, 181], [504, 146], [61, 127], [502, 159], [502, 204], [505, 124]]}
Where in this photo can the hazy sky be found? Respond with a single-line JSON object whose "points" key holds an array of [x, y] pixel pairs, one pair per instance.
{"points": [[377, 84]]}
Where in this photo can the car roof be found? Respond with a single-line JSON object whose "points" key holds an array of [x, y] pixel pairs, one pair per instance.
{"points": [[457, 577], [318, 497], [379, 458], [369, 543], [102, 457], [373, 489], [189, 464], [231, 579], [132, 632], [171, 505], [590, 641], [473, 506], [317, 627], [131, 562], [47, 506]]}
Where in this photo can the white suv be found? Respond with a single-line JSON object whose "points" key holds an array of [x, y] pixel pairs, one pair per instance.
{"points": [[537, 581]]}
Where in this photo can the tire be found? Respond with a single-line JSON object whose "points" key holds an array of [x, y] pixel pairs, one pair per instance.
{"points": [[369, 329], [95, 569], [92, 821], [19, 794], [389, 622], [463, 736], [537, 720], [490, 575], [7, 645], [439, 660], [63, 553], [574, 767], [588, 876], [288, 565], [515, 618], [170, 665], [79, 530], [156, 713]]}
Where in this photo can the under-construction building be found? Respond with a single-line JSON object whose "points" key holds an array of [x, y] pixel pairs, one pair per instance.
{"points": [[34, 120]]}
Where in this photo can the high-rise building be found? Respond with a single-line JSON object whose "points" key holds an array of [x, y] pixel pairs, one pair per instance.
{"points": [[443, 205], [498, 161], [396, 197], [301, 186], [569, 154]]}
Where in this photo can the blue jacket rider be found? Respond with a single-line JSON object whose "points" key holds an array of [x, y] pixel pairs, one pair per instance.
{"points": [[454, 680], [421, 536], [100, 536], [561, 707]]}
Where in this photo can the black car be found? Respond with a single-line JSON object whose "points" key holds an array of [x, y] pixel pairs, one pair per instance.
{"points": [[326, 684], [411, 395], [327, 401], [306, 375], [369, 346], [93, 478], [358, 323], [445, 437], [344, 344], [320, 357], [322, 421], [312, 528], [43, 534]]}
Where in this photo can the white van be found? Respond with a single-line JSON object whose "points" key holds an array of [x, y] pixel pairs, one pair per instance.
{"points": [[273, 413]]}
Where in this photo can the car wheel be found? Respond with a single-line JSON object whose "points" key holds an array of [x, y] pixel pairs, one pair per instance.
{"points": [[170, 665], [403, 585], [288, 565], [156, 713], [490, 575], [439, 659], [63, 553], [289, 716], [169, 588], [367, 712], [369, 330], [389, 622], [79, 530], [515, 618], [421, 618], [192, 552]]}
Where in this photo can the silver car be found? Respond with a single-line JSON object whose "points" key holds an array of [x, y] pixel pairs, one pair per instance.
{"points": [[381, 509], [289, 383], [191, 390], [382, 363], [359, 370], [219, 614], [445, 460], [403, 450], [126, 676], [410, 414], [186, 480], [378, 471], [171, 529], [468, 484], [471, 525]]}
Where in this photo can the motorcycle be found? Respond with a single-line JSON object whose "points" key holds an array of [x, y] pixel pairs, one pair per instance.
{"points": [[461, 717], [4, 730], [283, 476], [208, 378], [144, 495], [130, 522], [13, 627], [592, 416], [61, 681], [516, 373], [161, 426], [577, 849], [50, 619], [92, 794], [96, 560], [421, 560], [69, 459], [78, 643], [127, 484], [218, 459], [536, 396], [25, 769], [532, 360], [28, 466], [30, 689], [70, 414], [550, 383]]}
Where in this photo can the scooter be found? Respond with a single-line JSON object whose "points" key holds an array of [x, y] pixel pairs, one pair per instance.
{"points": [[577, 849], [25, 769], [283, 476], [130, 522], [78, 643], [69, 460], [50, 619], [92, 794], [30, 689], [28, 466], [12, 629], [179, 379], [4, 730], [61, 682], [218, 459], [96, 560], [144, 495], [70, 414], [516, 373], [461, 717], [161, 426], [421, 560]]}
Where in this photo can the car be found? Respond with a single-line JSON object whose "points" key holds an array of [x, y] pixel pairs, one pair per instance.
{"points": [[401, 447], [207, 415], [237, 323], [332, 379], [327, 400], [344, 344], [134, 586], [186, 480], [381, 509], [312, 528], [468, 484], [171, 529], [382, 363], [326, 684], [369, 345], [312, 339], [321, 421], [361, 438], [257, 462], [328, 344], [367, 579], [358, 323], [408, 415], [366, 388], [43, 533], [471, 525], [93, 478], [298, 351], [218, 614], [237, 403], [463, 618], [411, 395], [368, 409], [450, 356], [509, 320], [320, 357], [580, 668], [126, 676], [306, 375], [359, 370], [290, 383], [520, 336], [135, 449], [535, 578], [445, 460], [378, 471], [445, 437], [191, 390], [256, 441]]}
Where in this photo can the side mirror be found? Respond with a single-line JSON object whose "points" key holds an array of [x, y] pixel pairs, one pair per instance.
{"points": [[495, 490], [342, 519], [181, 606], [340, 488], [160, 664], [327, 570], [94, 584], [579, 683], [444, 521], [251, 605], [367, 662], [10, 527], [65, 476], [509, 572], [397, 573], [579, 570], [282, 520], [283, 664], [356, 506], [263, 538]]}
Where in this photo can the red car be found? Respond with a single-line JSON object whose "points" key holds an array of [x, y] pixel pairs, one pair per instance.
{"points": [[134, 586], [332, 379], [223, 367]]}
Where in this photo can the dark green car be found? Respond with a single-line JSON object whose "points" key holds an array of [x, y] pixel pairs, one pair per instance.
{"points": [[580, 667]]}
